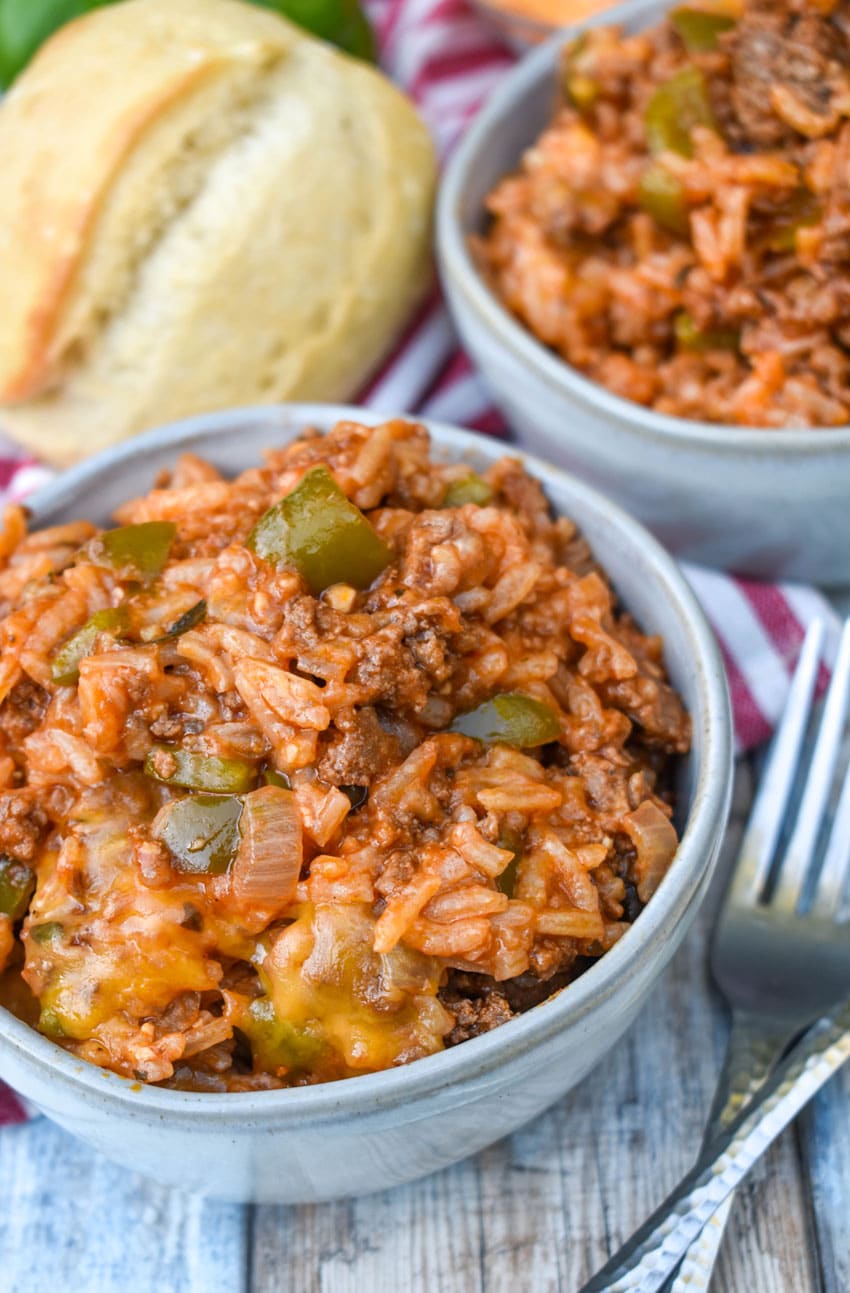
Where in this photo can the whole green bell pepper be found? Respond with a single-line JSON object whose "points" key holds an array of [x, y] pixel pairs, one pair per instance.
{"points": [[26, 24], [341, 22]]}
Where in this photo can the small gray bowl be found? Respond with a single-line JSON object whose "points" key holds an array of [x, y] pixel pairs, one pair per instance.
{"points": [[767, 503], [367, 1133]]}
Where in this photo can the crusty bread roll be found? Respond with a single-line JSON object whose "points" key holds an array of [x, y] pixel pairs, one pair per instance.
{"points": [[200, 206]]}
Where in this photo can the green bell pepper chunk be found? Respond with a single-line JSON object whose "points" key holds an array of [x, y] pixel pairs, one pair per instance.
{"points": [[801, 211], [202, 833], [690, 337], [50, 1023], [510, 718], [65, 668], [189, 620], [581, 89], [17, 883], [272, 777], [176, 767], [509, 839], [661, 196], [675, 109], [324, 536], [276, 1042], [471, 489], [699, 29], [50, 931], [144, 548]]}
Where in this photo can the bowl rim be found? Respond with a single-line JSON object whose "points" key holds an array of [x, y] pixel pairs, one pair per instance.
{"points": [[461, 274], [474, 1059]]}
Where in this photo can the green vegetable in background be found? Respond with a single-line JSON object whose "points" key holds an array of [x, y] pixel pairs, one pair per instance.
{"points": [[26, 24], [342, 22]]}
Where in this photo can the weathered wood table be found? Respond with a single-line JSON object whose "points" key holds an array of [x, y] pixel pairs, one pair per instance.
{"points": [[537, 1212]]}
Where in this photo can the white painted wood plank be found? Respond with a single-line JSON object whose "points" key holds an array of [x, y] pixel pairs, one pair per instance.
{"points": [[396, 1240], [539, 1212], [71, 1221], [825, 1136], [770, 1242]]}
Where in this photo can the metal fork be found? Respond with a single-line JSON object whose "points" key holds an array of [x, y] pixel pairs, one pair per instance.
{"points": [[780, 953]]}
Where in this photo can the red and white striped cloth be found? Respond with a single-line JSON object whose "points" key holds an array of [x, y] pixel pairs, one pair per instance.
{"points": [[448, 59]]}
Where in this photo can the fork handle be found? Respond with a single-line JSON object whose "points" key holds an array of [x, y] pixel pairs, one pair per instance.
{"points": [[754, 1048], [655, 1250]]}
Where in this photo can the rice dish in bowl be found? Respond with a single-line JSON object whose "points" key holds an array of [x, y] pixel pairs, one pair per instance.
{"points": [[678, 232], [320, 770]]}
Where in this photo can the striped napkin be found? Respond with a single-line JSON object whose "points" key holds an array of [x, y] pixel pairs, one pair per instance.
{"points": [[448, 59]]}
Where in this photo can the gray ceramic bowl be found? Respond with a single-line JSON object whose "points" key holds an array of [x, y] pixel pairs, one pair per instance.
{"points": [[370, 1132], [764, 503]]}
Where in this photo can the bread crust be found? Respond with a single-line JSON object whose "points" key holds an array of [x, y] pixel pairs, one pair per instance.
{"points": [[199, 206]]}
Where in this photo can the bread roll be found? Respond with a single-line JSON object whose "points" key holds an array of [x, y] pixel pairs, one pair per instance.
{"points": [[200, 206]]}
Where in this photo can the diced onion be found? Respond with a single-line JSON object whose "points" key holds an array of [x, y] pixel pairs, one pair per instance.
{"points": [[655, 840], [406, 972], [268, 862]]}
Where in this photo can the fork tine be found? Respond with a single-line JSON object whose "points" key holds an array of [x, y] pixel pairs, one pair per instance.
{"points": [[832, 881], [765, 822], [797, 860]]}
